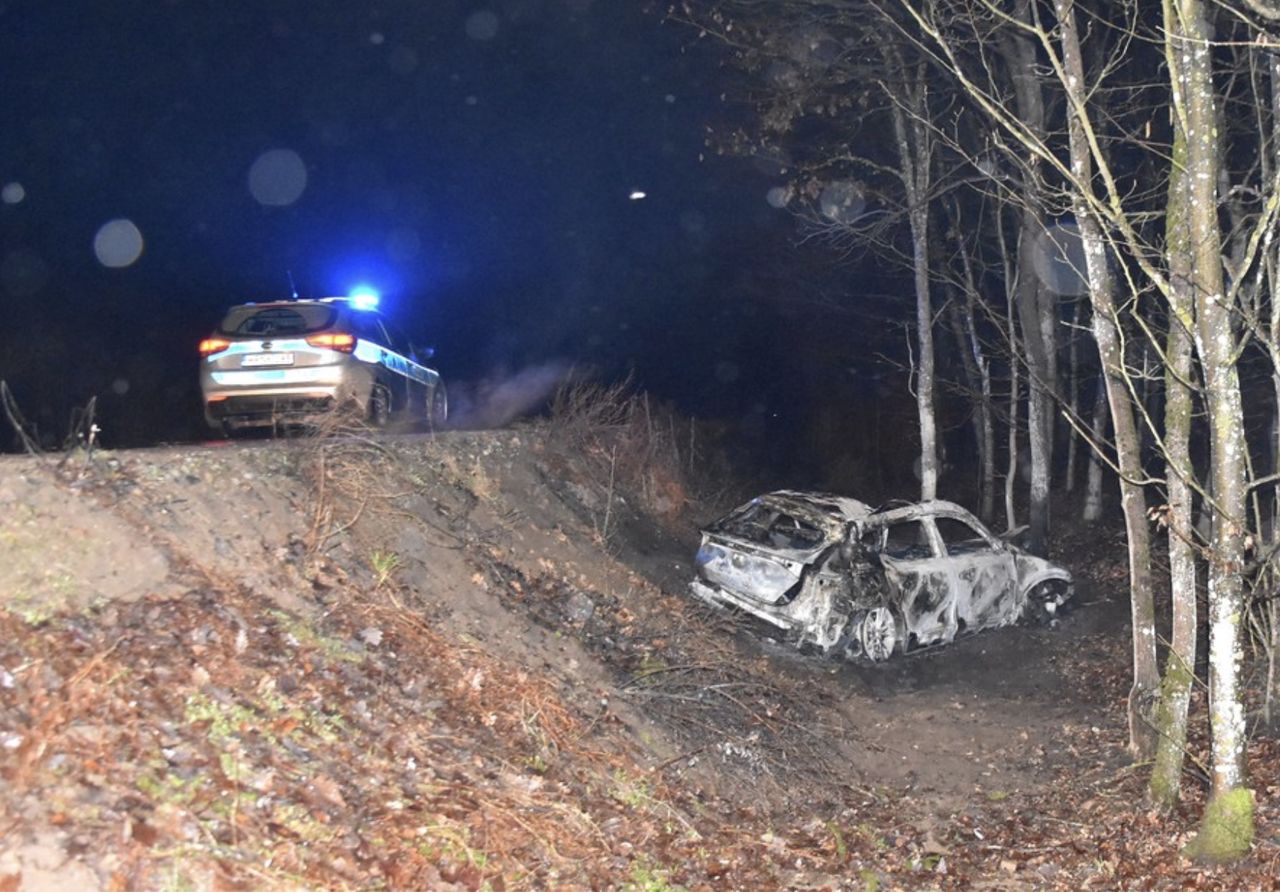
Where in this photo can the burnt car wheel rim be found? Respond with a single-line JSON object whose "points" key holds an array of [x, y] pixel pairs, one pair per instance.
{"points": [[1045, 602], [879, 634]]}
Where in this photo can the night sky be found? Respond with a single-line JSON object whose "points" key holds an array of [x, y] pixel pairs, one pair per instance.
{"points": [[473, 161]]}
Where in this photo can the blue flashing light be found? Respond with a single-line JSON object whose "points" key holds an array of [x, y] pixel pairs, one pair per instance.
{"points": [[364, 297]]}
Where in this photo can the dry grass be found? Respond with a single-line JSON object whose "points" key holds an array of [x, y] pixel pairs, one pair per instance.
{"points": [[633, 445], [347, 471]]}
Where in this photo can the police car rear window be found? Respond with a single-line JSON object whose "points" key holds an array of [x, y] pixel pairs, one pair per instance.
{"points": [[277, 321]]}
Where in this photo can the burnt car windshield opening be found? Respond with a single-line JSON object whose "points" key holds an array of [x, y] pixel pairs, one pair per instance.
{"points": [[276, 321]]}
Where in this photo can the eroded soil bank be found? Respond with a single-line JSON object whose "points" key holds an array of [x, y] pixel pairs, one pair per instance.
{"points": [[468, 662]]}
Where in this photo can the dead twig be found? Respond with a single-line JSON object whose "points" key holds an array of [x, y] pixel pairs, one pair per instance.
{"points": [[26, 435]]}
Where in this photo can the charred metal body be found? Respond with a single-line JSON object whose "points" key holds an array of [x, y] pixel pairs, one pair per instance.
{"points": [[865, 583]]}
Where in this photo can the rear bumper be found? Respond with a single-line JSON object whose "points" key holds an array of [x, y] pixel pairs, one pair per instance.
{"points": [[264, 397], [720, 597], [261, 410]]}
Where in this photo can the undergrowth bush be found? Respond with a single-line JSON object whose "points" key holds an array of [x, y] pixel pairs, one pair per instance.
{"points": [[635, 445]]}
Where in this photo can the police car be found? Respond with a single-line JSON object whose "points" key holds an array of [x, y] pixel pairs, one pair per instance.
{"points": [[274, 363]]}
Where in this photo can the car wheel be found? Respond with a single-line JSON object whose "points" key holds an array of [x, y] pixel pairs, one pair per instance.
{"points": [[439, 410], [878, 634], [379, 406], [1046, 602]]}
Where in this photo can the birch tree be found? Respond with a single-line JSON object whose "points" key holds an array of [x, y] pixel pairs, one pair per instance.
{"points": [[1037, 306], [1227, 828], [1179, 674], [1106, 333], [908, 108]]}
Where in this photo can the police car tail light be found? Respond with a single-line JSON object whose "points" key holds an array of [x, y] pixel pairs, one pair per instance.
{"points": [[334, 340], [210, 346]]}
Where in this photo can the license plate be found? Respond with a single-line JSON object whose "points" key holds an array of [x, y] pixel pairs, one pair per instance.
{"points": [[255, 359]]}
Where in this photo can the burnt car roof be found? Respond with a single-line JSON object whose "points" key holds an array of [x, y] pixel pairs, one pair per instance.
{"points": [[933, 506], [841, 507]]}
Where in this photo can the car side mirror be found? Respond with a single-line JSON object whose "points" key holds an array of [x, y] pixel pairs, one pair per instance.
{"points": [[422, 353]]}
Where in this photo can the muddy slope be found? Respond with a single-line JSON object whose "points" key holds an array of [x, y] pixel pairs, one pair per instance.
{"points": [[468, 662]]}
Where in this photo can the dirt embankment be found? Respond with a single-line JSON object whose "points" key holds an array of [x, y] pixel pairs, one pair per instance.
{"points": [[468, 662]]}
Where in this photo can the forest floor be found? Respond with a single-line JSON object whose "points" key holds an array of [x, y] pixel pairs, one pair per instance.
{"points": [[469, 662]]}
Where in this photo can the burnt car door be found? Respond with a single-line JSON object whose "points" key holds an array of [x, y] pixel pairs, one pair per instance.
{"points": [[760, 552], [919, 576], [985, 573]]}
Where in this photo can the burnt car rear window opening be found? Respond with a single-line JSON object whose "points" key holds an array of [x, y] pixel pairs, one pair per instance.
{"points": [[751, 524], [788, 531]]}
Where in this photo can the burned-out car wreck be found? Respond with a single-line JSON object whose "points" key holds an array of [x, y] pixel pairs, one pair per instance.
{"points": [[864, 583]]}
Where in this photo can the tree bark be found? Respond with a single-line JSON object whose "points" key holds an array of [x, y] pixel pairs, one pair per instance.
{"points": [[1011, 334], [1227, 828], [1098, 424], [1107, 333], [978, 371], [1179, 673], [1073, 398], [1273, 328], [972, 382], [915, 161], [1037, 307], [1011, 467]]}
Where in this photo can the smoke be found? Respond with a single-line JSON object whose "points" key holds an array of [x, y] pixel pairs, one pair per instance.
{"points": [[500, 399]]}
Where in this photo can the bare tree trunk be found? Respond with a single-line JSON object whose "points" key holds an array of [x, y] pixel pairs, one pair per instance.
{"points": [[1073, 397], [1011, 469], [1011, 334], [915, 160], [1179, 670], [1036, 307], [1227, 828], [972, 381], [978, 371], [987, 502], [987, 480], [1106, 331], [925, 374], [1097, 424], [1273, 328]]}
